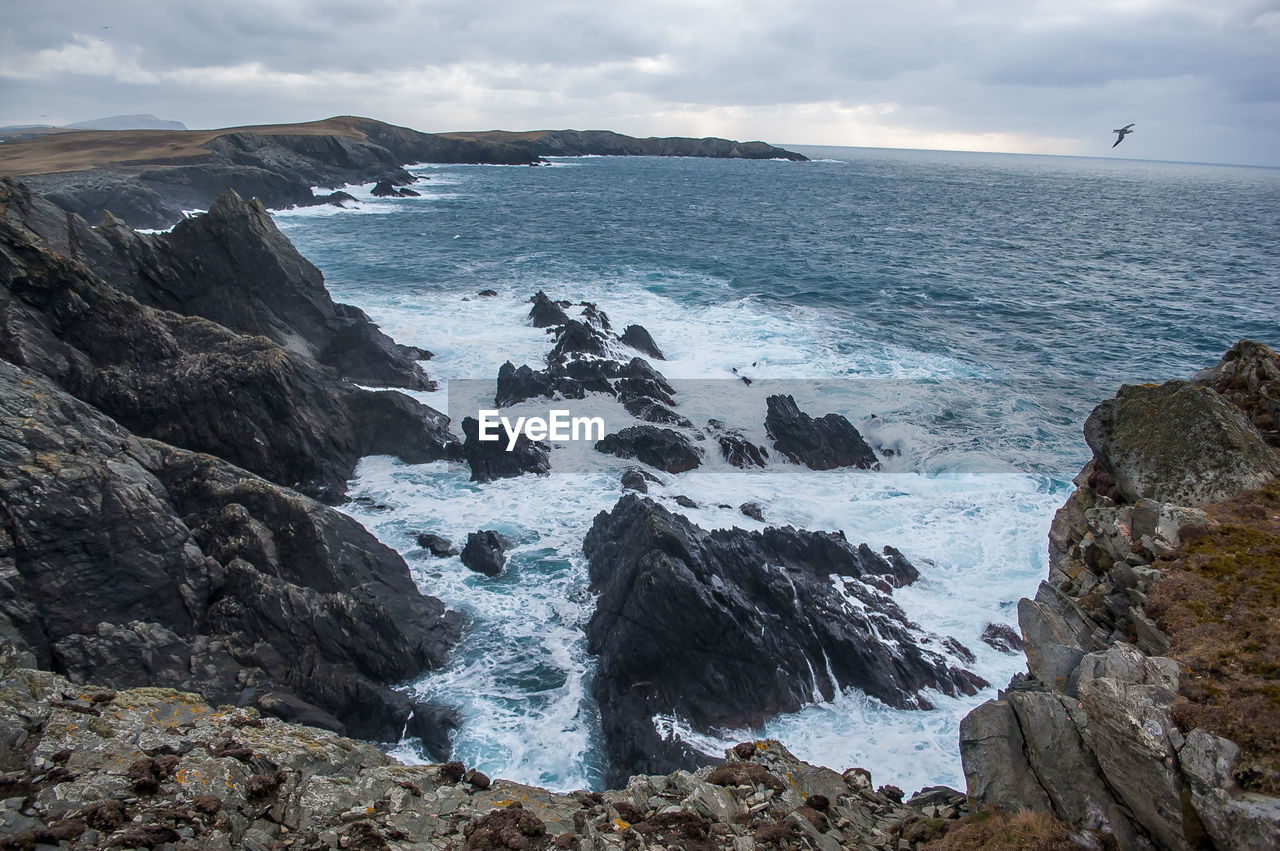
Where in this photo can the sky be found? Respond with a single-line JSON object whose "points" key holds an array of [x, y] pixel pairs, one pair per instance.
{"points": [[1200, 80]]}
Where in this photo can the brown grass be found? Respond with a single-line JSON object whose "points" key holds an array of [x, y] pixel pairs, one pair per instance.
{"points": [[994, 831], [79, 150], [1220, 604]]}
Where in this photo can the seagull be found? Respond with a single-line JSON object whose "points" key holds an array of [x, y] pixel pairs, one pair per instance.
{"points": [[1123, 131]]}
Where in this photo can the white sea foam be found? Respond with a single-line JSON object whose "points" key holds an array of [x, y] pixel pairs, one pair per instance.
{"points": [[521, 677]]}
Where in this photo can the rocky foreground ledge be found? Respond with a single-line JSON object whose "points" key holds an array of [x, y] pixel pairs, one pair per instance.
{"points": [[89, 767]]}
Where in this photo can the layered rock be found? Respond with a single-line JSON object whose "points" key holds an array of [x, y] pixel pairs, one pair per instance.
{"points": [[130, 562], [189, 381], [96, 768], [723, 629], [1090, 732]]}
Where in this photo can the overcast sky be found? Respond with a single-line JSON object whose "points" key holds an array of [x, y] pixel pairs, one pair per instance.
{"points": [[1199, 78]]}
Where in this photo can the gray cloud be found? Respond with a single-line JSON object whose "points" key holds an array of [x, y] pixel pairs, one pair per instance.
{"points": [[1201, 80]]}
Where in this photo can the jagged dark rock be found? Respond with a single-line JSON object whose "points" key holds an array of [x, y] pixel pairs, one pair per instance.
{"points": [[188, 381], [129, 562], [574, 339], [594, 317], [638, 338], [752, 510], [658, 447], [634, 479], [822, 444], [489, 459], [485, 552], [546, 313], [728, 627], [436, 545]]}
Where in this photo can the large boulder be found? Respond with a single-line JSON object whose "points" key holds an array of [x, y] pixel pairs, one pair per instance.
{"points": [[819, 444], [727, 628], [129, 562], [1178, 443]]}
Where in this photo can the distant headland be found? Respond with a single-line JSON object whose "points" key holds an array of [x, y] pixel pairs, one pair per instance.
{"points": [[148, 177]]}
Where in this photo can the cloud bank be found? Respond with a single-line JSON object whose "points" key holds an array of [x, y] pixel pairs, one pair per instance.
{"points": [[1201, 81]]}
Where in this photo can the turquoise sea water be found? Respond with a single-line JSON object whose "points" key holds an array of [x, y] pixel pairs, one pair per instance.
{"points": [[1003, 295]]}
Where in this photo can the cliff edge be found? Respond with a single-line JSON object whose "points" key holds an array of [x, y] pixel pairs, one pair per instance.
{"points": [[1150, 713]]}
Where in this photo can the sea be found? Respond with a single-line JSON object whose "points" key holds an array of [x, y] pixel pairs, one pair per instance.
{"points": [[965, 311]]}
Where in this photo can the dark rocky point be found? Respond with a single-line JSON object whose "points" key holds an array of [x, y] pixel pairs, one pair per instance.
{"points": [[752, 510], [546, 313], [727, 628], [822, 444], [638, 338]]}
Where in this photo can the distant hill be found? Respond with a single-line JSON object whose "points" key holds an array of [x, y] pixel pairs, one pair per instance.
{"points": [[127, 122]]}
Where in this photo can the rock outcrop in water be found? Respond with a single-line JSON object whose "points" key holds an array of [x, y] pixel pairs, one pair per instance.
{"points": [[724, 629], [98, 768], [822, 444], [1098, 731]]}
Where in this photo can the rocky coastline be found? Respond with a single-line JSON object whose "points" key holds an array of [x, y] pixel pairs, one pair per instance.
{"points": [[180, 410], [148, 178]]}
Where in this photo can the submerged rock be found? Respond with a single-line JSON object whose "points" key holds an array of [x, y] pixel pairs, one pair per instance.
{"points": [[727, 628], [822, 444], [436, 545]]}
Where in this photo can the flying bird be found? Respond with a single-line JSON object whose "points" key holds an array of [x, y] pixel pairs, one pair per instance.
{"points": [[1123, 131]]}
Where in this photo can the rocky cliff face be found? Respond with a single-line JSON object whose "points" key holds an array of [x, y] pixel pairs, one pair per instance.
{"points": [[132, 551], [1092, 732], [194, 383]]}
